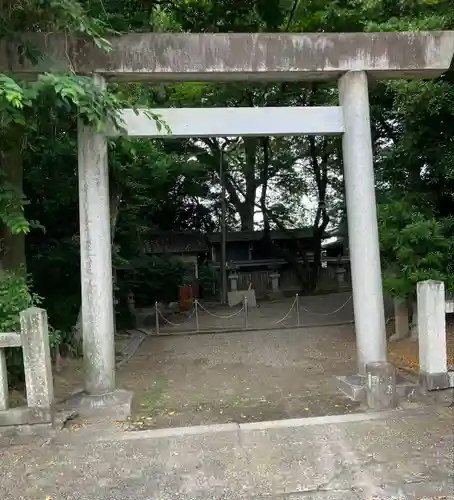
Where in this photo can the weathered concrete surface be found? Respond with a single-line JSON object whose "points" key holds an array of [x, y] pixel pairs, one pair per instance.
{"points": [[10, 339], [96, 261], [240, 56], [398, 455], [381, 386], [432, 329], [362, 215], [26, 416], [37, 362]]}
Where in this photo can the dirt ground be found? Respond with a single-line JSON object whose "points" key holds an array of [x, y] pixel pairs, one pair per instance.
{"points": [[405, 353], [232, 377], [241, 376]]}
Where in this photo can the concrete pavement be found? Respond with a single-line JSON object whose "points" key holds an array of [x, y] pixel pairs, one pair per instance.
{"points": [[399, 454]]}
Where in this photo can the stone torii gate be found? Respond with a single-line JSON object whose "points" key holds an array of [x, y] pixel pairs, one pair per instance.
{"points": [[352, 59]]}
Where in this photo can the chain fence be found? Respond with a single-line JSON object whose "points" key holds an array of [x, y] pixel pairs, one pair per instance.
{"points": [[192, 321]]}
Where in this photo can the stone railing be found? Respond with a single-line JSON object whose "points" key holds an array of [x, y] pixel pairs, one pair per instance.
{"points": [[34, 341]]}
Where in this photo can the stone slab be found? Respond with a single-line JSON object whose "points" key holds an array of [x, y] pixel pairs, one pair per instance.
{"points": [[239, 56], [26, 416], [19, 434]]}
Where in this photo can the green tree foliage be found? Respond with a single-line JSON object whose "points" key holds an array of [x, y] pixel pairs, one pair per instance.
{"points": [[415, 246]]}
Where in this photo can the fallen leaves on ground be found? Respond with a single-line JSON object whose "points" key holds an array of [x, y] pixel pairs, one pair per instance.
{"points": [[404, 354]]}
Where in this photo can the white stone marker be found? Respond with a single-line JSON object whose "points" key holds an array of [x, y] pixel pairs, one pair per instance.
{"points": [[433, 364]]}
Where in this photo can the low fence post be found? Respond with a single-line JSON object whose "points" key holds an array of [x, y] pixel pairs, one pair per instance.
{"points": [[4, 398], [37, 360], [433, 363], [245, 314], [297, 298], [196, 316], [157, 317]]}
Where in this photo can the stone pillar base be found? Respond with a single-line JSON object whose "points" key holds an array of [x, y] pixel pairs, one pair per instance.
{"points": [[354, 387], [433, 381], [115, 405]]}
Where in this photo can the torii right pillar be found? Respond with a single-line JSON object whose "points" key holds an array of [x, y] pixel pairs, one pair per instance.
{"points": [[362, 221]]}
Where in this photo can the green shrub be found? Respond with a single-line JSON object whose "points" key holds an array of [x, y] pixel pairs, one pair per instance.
{"points": [[15, 296]]}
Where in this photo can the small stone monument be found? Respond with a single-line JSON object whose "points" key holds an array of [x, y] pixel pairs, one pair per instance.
{"points": [[381, 386], [233, 278], [275, 290], [274, 277]]}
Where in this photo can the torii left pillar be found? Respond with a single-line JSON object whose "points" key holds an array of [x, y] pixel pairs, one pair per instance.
{"points": [[96, 271]]}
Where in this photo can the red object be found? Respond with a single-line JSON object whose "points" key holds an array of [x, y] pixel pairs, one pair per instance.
{"points": [[186, 297]]}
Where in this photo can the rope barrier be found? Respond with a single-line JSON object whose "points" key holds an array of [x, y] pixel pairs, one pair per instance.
{"points": [[176, 324], [330, 313], [288, 313], [244, 309], [218, 316]]}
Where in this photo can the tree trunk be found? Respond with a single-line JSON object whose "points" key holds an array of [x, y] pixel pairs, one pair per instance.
{"points": [[320, 170], [267, 246], [249, 170]]}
